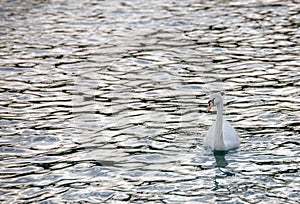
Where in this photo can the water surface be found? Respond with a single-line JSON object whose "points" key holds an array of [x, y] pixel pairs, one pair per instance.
{"points": [[103, 101]]}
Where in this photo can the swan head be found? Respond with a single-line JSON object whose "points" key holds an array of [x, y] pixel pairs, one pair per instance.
{"points": [[214, 99]]}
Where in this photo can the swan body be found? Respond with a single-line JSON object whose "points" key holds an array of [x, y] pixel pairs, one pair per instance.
{"points": [[221, 135]]}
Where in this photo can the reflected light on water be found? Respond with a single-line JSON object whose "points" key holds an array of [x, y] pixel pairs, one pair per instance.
{"points": [[104, 101]]}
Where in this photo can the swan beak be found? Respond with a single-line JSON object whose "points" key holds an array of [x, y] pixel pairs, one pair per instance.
{"points": [[210, 105]]}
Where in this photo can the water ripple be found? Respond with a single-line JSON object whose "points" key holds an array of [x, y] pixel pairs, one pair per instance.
{"points": [[103, 101]]}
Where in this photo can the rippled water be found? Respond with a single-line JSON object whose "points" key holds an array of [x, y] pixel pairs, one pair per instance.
{"points": [[103, 101]]}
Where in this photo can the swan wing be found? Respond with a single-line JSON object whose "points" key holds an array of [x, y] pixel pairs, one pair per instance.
{"points": [[209, 137], [230, 136]]}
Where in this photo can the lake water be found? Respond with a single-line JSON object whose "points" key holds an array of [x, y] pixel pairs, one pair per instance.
{"points": [[104, 101]]}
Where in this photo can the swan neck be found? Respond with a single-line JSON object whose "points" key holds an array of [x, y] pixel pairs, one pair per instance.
{"points": [[220, 109], [218, 140], [219, 119]]}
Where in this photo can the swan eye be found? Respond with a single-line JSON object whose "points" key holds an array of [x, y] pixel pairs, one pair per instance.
{"points": [[211, 101]]}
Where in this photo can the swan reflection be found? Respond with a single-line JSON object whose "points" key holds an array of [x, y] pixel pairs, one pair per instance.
{"points": [[221, 162]]}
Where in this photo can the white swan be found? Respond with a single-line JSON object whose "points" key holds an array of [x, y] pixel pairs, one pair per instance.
{"points": [[221, 135]]}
